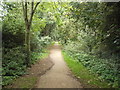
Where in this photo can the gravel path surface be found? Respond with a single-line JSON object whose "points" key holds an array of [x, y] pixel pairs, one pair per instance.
{"points": [[59, 76]]}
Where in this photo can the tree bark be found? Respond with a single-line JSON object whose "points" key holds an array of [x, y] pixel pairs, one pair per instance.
{"points": [[28, 23], [27, 46]]}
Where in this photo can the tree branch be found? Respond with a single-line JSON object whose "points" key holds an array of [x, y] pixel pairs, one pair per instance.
{"points": [[33, 9], [37, 5], [24, 6], [26, 18], [32, 5]]}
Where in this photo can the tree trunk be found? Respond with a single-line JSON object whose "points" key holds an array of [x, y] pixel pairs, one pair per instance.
{"points": [[27, 45], [28, 22]]}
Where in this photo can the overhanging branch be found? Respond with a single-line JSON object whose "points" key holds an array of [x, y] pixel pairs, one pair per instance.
{"points": [[33, 9]]}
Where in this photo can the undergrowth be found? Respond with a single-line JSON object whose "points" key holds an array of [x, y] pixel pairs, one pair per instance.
{"points": [[86, 75], [13, 64]]}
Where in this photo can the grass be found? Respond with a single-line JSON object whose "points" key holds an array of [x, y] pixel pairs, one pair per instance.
{"points": [[26, 82], [88, 79], [45, 54], [40, 56]]}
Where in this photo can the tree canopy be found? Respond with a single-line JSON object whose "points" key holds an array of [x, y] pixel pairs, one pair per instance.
{"points": [[92, 28]]}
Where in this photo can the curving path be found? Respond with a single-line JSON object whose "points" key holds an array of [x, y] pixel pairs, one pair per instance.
{"points": [[59, 76]]}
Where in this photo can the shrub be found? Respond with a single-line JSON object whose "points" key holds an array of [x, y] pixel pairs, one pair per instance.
{"points": [[12, 64], [106, 69]]}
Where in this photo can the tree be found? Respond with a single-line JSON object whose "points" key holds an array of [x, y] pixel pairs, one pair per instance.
{"points": [[28, 23]]}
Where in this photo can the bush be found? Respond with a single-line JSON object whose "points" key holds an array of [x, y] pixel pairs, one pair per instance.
{"points": [[38, 43], [106, 69], [13, 64], [45, 40]]}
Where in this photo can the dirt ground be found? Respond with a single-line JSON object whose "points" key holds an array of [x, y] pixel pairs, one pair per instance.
{"points": [[51, 72], [36, 70], [59, 76]]}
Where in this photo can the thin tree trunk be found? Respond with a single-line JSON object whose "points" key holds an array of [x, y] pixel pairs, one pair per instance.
{"points": [[28, 23], [28, 46]]}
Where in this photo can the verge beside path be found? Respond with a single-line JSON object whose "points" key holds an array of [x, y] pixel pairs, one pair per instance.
{"points": [[29, 80]]}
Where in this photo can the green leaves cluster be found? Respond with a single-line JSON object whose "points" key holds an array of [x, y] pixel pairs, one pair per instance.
{"points": [[90, 28], [105, 68], [90, 33], [13, 62]]}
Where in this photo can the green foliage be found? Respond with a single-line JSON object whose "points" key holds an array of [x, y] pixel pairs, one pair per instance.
{"points": [[13, 28], [35, 56], [27, 82], [88, 31], [88, 79], [13, 42], [38, 43], [12, 64], [90, 34], [100, 20], [45, 40], [106, 69]]}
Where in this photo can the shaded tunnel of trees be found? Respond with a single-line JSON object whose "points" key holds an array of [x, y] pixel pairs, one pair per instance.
{"points": [[89, 28]]}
